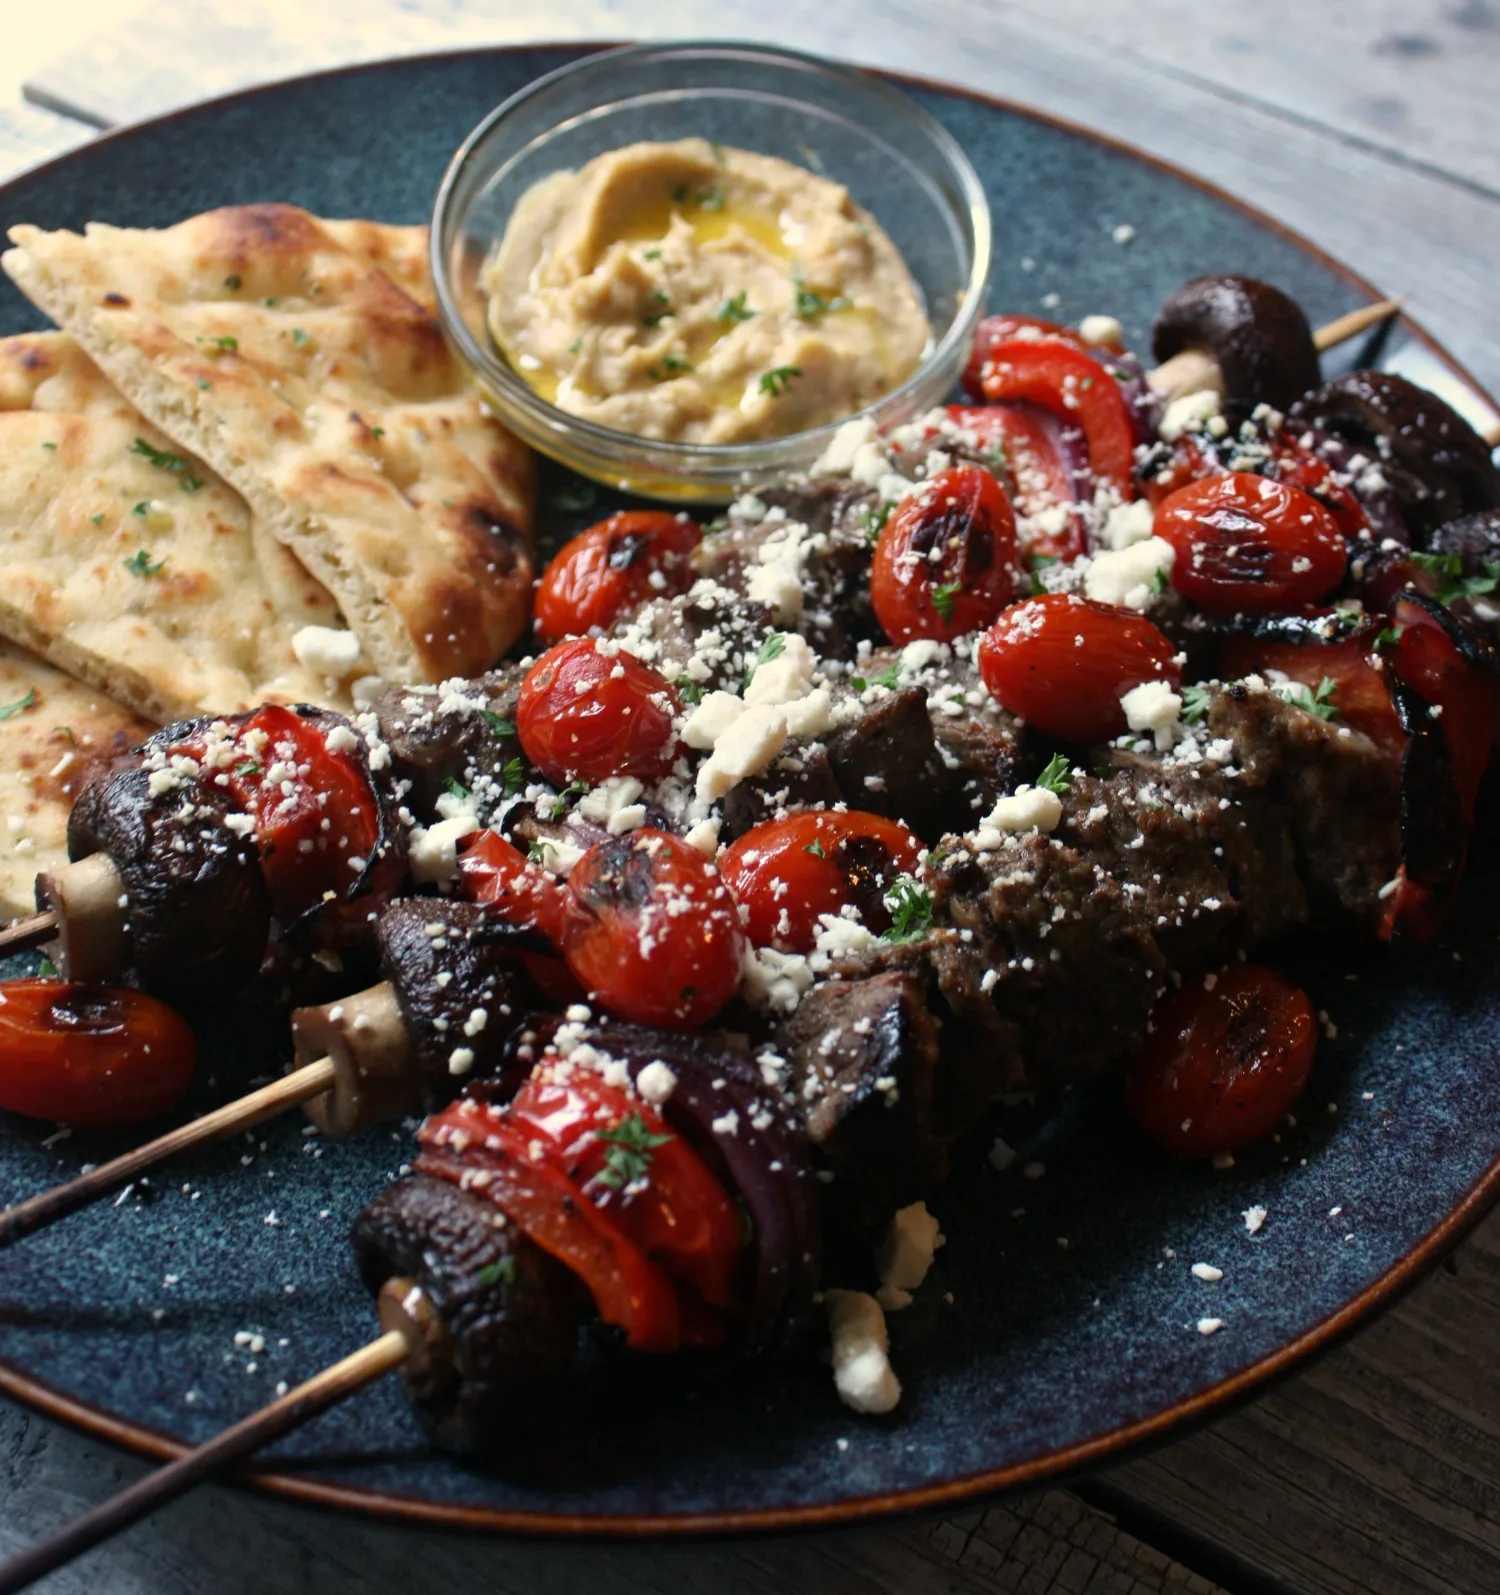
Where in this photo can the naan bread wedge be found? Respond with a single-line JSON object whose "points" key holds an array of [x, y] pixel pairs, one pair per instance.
{"points": [[54, 732], [328, 398], [131, 564]]}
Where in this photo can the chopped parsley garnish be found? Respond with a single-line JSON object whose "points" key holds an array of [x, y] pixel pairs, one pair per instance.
{"points": [[249, 767], [995, 457], [165, 460], [688, 690], [97, 518], [51, 448], [1388, 638], [651, 254], [736, 309], [513, 777], [1039, 563], [815, 847], [493, 1273], [1056, 776], [1195, 701], [456, 788], [299, 337], [943, 598], [776, 381], [203, 382], [658, 316], [710, 198], [538, 851], [1319, 703], [141, 563], [46, 969], [572, 789], [225, 345], [910, 904], [232, 283], [670, 365], [1452, 583], [498, 723], [67, 731], [872, 520], [889, 678], [575, 346], [772, 648], [629, 1156], [377, 431], [142, 508], [9, 711], [717, 151], [810, 303], [1159, 583]]}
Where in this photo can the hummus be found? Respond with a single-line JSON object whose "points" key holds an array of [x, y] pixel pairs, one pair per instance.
{"points": [[691, 292]]}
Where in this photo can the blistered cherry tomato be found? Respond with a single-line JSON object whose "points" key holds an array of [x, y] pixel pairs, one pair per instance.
{"points": [[651, 930], [1296, 466], [1063, 664], [1227, 1057], [945, 562], [90, 1055], [1246, 544], [1036, 473], [497, 874], [626, 560], [785, 873], [588, 711], [1075, 387]]}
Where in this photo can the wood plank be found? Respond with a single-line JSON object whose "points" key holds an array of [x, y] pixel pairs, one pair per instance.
{"points": [[1377, 1470], [1439, 248]]}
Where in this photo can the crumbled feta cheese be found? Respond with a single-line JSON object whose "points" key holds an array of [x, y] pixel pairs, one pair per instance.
{"points": [[785, 678], [656, 1082], [326, 650], [774, 980], [1101, 329], [1207, 1273], [1154, 707], [862, 1371], [341, 739], [837, 458], [1029, 808], [1126, 576], [1210, 1326], [746, 748], [432, 852], [811, 716], [460, 1060], [1254, 1218], [1128, 523], [905, 1255], [1188, 412], [711, 719], [614, 804], [704, 836]]}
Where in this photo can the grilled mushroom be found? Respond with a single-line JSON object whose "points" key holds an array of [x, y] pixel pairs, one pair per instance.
{"points": [[1258, 337], [1436, 463]]}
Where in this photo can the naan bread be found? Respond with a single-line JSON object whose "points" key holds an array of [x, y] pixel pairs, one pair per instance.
{"points": [[258, 340], [130, 564], [53, 733], [400, 252]]}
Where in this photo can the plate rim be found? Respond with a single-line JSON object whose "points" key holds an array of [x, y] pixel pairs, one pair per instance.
{"points": [[1114, 1445]]}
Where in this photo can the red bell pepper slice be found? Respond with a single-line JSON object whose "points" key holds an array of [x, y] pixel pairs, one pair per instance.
{"points": [[1035, 474]]}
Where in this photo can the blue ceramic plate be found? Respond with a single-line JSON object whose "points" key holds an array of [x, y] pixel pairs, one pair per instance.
{"points": [[1059, 1324]]}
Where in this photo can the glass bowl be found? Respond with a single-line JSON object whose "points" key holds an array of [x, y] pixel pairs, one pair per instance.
{"points": [[897, 161]]}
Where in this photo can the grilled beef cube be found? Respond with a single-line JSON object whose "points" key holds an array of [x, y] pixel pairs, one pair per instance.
{"points": [[199, 911], [460, 985], [1076, 965], [708, 637], [887, 762], [1211, 873], [864, 1057], [1337, 791], [437, 736], [501, 1384], [831, 523]]}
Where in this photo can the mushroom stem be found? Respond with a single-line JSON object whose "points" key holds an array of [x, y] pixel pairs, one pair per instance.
{"points": [[89, 902], [376, 1075], [1191, 371]]}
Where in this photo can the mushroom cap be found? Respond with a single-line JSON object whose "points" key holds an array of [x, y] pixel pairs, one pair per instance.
{"points": [[1437, 465], [1259, 337]]}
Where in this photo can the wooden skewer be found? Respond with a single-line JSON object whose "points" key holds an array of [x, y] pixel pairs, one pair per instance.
{"points": [[1342, 328], [309, 1081], [24, 934], [324, 1390]]}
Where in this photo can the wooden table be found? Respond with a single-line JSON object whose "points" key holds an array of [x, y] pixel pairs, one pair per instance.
{"points": [[1374, 128]]}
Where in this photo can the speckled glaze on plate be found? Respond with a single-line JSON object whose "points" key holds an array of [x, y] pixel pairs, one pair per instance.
{"points": [[1058, 1326]]}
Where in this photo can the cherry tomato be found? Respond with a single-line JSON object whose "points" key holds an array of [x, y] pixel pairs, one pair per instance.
{"points": [[626, 560], [628, 1161], [1246, 544], [90, 1055], [1227, 1057], [1359, 691], [536, 1193], [945, 562], [651, 930], [1063, 664], [493, 872], [589, 710], [1295, 466], [785, 873], [316, 816], [1037, 474], [1061, 378]]}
